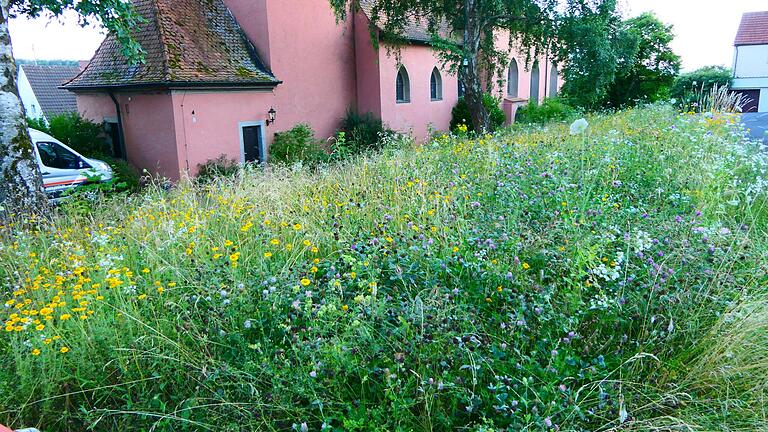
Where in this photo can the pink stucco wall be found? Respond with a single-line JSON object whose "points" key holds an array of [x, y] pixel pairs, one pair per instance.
{"points": [[207, 123], [253, 19], [148, 126], [367, 68], [420, 113], [311, 53], [96, 106], [510, 103]]}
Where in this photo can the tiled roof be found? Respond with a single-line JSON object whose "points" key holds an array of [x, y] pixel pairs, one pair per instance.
{"points": [[416, 30], [187, 43], [753, 29], [45, 82]]}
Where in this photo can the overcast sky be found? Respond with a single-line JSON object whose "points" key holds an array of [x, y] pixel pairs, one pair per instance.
{"points": [[705, 31]]}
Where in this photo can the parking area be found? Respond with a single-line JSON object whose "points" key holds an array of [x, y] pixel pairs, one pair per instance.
{"points": [[757, 123]]}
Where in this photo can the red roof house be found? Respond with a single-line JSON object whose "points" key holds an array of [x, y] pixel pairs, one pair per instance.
{"points": [[750, 64], [217, 71]]}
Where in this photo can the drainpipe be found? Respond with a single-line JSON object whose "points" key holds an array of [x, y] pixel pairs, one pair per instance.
{"points": [[121, 135], [546, 72]]}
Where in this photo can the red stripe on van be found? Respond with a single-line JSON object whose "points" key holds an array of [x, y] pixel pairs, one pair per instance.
{"points": [[64, 183]]}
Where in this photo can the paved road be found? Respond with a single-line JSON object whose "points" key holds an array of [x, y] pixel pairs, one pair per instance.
{"points": [[757, 123]]}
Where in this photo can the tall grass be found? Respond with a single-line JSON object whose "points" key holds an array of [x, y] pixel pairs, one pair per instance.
{"points": [[613, 280], [720, 99]]}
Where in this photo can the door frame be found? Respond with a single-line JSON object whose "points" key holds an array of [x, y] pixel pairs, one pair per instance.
{"points": [[263, 149]]}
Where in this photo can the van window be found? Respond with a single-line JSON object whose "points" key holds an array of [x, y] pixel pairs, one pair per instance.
{"points": [[54, 155]]}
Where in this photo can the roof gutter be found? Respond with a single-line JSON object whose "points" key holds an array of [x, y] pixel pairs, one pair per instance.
{"points": [[220, 85]]}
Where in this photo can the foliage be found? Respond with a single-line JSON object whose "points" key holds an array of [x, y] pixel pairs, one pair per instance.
{"points": [[362, 132], [85, 199], [297, 145], [648, 76], [126, 178], [551, 109], [688, 87], [610, 279], [601, 47], [38, 124], [221, 167], [117, 16], [471, 50], [80, 134], [460, 114]]}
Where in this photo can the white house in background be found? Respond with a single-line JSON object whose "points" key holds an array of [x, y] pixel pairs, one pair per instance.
{"points": [[750, 63], [28, 98], [40, 93]]}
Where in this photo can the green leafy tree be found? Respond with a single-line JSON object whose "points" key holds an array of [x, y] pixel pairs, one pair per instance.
{"points": [[21, 187], [600, 47], [652, 69], [470, 49]]}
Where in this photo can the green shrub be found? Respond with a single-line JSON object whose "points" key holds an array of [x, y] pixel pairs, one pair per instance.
{"points": [[38, 124], [82, 135], [460, 114], [126, 178], [297, 145], [88, 139], [688, 87], [212, 169], [551, 109], [362, 131], [88, 198]]}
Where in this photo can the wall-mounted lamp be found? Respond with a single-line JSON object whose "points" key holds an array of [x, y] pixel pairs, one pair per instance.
{"points": [[272, 114]]}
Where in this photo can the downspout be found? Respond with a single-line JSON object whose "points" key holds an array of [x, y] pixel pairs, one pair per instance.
{"points": [[120, 133], [353, 15], [546, 72]]}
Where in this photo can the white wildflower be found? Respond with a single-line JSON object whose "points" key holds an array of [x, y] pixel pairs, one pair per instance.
{"points": [[579, 126]]}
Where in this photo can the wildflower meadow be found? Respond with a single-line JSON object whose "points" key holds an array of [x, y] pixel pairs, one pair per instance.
{"points": [[610, 275]]}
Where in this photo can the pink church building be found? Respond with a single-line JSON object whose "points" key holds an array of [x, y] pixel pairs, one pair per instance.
{"points": [[221, 77]]}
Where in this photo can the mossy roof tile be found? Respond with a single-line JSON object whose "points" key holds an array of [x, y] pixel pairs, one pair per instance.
{"points": [[187, 43]]}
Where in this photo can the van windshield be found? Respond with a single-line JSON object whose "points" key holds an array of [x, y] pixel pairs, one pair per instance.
{"points": [[54, 155]]}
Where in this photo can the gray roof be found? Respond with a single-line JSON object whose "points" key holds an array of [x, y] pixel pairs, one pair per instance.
{"points": [[45, 82], [187, 43], [415, 30]]}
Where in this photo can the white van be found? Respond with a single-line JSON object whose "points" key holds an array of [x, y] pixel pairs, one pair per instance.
{"points": [[64, 168]]}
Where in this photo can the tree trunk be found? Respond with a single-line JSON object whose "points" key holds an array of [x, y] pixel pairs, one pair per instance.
{"points": [[21, 186], [470, 73]]}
